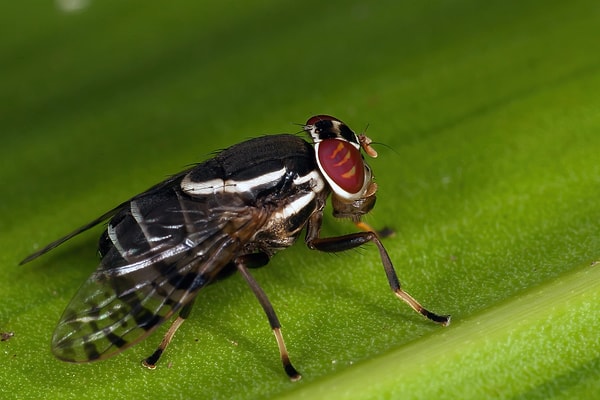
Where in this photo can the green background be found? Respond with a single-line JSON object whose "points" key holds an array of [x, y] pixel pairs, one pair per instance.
{"points": [[489, 113]]}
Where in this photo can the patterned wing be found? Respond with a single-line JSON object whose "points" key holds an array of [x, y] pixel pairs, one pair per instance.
{"points": [[157, 252]]}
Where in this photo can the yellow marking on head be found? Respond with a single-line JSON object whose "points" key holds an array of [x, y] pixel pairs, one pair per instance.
{"points": [[350, 173], [344, 160], [339, 148]]}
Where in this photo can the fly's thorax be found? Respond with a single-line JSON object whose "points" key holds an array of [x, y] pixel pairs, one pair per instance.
{"points": [[289, 214], [338, 156], [275, 178], [259, 171]]}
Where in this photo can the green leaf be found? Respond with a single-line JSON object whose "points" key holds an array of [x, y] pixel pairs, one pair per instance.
{"points": [[487, 115]]}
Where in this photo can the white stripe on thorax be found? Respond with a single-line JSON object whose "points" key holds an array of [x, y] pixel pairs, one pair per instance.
{"points": [[229, 186], [317, 181], [294, 207]]}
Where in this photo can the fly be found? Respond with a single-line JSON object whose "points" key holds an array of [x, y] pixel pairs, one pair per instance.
{"points": [[227, 214]]}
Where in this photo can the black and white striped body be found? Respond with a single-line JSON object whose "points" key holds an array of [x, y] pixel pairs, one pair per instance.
{"points": [[165, 244], [230, 213]]}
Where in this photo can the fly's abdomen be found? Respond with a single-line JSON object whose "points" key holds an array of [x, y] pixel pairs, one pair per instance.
{"points": [[158, 251]]}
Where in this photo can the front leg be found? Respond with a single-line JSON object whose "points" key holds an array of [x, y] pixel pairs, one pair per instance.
{"points": [[353, 240]]}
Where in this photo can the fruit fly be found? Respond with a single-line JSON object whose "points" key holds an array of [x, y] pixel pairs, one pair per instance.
{"points": [[227, 214]]}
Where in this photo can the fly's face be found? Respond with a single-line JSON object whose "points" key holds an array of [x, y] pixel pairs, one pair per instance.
{"points": [[340, 161]]}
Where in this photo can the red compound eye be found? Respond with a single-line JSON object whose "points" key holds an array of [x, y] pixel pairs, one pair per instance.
{"points": [[342, 163]]}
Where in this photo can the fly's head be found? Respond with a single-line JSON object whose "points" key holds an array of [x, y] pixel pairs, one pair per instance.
{"points": [[337, 150]]}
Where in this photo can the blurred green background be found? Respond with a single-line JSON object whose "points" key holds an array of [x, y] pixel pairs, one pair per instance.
{"points": [[490, 175]]}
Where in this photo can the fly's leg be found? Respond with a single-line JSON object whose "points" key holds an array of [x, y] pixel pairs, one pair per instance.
{"points": [[382, 233], [255, 260], [151, 361], [353, 240]]}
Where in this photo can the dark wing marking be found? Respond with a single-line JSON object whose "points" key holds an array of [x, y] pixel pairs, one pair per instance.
{"points": [[112, 312], [157, 253]]}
